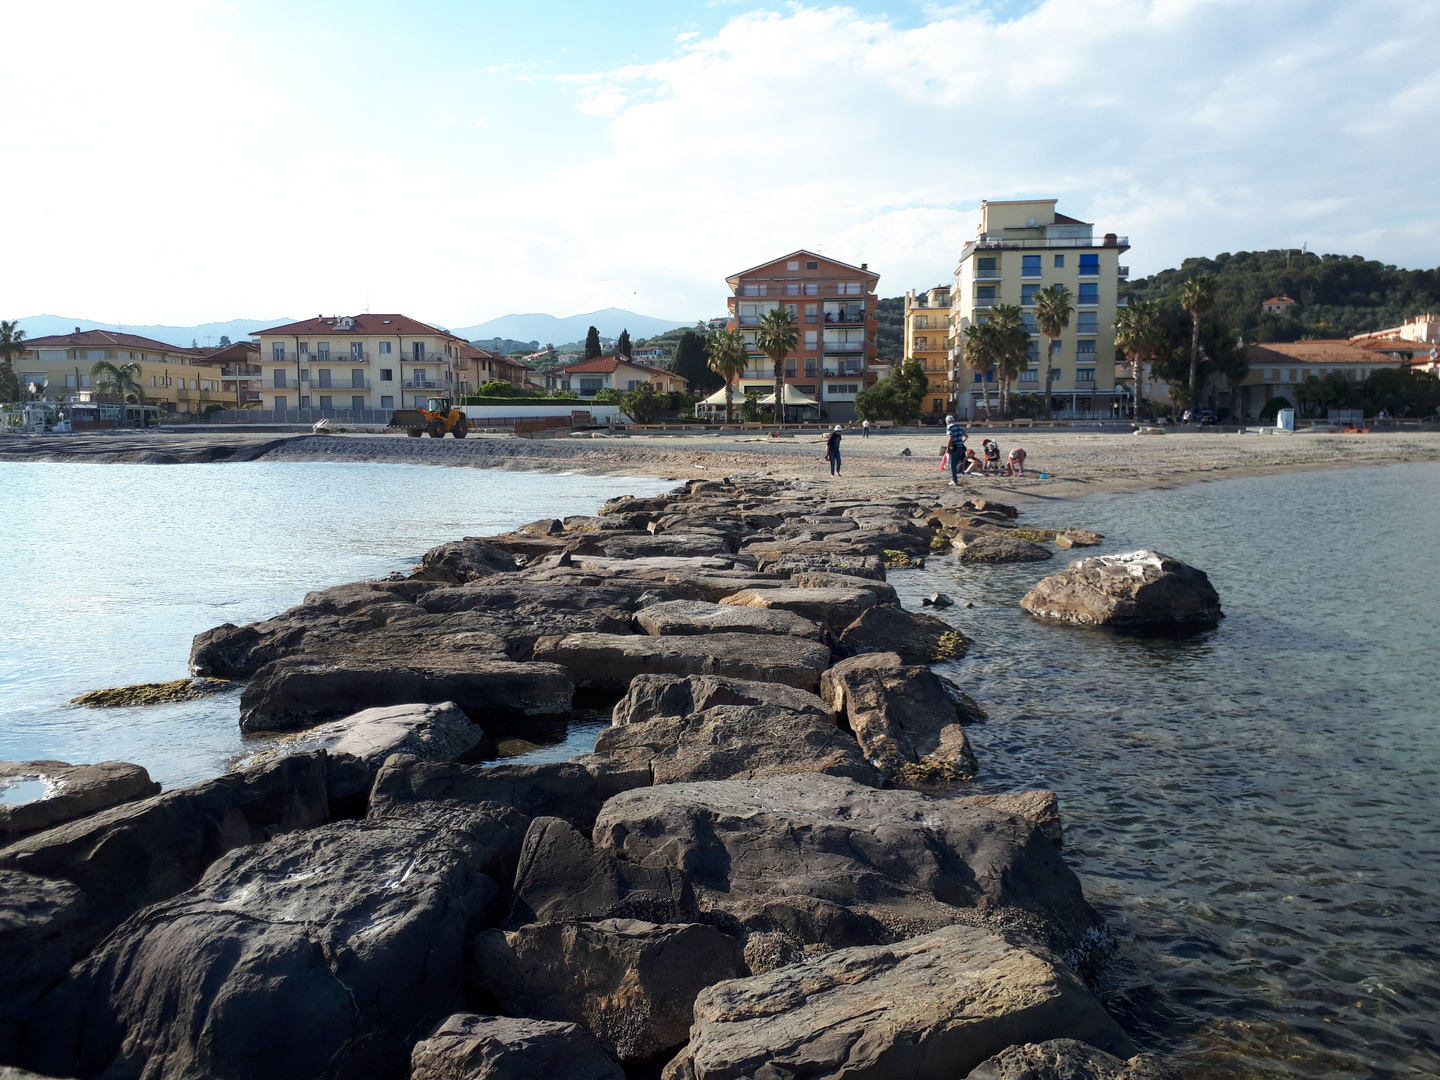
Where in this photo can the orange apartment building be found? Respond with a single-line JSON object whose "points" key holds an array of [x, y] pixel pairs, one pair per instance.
{"points": [[834, 305]]}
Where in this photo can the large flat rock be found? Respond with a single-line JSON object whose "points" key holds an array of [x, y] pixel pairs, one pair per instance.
{"points": [[677, 618], [322, 953], [612, 660], [71, 791], [918, 638], [835, 863], [553, 789], [471, 1047], [1069, 1059], [440, 732], [928, 1008], [832, 608], [297, 692]]}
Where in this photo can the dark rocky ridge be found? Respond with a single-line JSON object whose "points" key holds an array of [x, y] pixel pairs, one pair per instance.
{"points": [[731, 824]]}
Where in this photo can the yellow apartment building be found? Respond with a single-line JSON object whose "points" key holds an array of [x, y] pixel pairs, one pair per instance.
{"points": [[177, 379], [357, 362], [1020, 248], [927, 341]]}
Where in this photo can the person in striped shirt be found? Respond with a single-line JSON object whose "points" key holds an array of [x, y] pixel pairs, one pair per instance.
{"points": [[955, 447]]}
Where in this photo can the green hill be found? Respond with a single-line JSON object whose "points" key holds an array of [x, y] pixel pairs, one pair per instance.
{"points": [[1338, 295]]}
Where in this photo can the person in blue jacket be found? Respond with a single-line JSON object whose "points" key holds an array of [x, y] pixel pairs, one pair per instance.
{"points": [[832, 451], [955, 447]]}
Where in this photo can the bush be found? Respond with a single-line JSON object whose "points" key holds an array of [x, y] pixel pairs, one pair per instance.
{"points": [[1273, 407], [213, 407]]}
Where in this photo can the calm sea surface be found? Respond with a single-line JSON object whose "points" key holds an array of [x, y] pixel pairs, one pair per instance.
{"points": [[1256, 810]]}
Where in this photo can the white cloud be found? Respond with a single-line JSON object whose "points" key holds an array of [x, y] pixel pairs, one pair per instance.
{"points": [[1193, 126]]}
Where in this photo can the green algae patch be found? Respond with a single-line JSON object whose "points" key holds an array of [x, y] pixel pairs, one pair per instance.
{"points": [[1035, 536], [952, 644], [153, 693], [939, 545], [898, 560]]}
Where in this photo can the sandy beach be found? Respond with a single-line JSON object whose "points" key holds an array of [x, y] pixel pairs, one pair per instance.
{"points": [[1060, 464]]}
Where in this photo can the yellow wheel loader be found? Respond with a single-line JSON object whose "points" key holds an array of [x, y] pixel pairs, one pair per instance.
{"points": [[439, 416]]}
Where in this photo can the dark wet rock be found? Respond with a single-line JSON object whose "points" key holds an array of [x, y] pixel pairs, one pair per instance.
{"points": [[916, 637], [40, 921], [298, 692], [544, 527], [561, 877], [669, 728], [716, 585], [830, 862], [1069, 1059], [1073, 538], [609, 660], [72, 791], [932, 1007], [989, 506], [470, 1047], [631, 983], [937, 600], [1040, 807], [900, 714], [694, 544], [1134, 590], [440, 732], [690, 617], [850, 565], [553, 789], [464, 560], [999, 548], [832, 608], [811, 579], [322, 953], [121, 859]]}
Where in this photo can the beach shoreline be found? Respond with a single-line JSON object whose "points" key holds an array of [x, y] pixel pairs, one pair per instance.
{"points": [[1063, 466]]}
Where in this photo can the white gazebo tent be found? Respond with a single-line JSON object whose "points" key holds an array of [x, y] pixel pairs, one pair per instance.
{"points": [[793, 398]]}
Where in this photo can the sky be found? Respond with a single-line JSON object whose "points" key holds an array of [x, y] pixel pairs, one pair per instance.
{"points": [[179, 161]]}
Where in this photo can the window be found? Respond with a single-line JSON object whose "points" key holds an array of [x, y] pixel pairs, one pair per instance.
{"points": [[357, 403], [420, 401], [1085, 375], [1087, 322], [279, 374], [304, 348], [71, 380], [357, 378], [279, 379], [1030, 266], [985, 268], [325, 402], [277, 352], [1028, 318], [922, 341], [812, 265], [922, 322], [324, 374], [837, 389], [1085, 351], [852, 288], [1055, 374], [1275, 375], [807, 390], [790, 371], [1089, 265], [985, 292], [305, 374], [812, 312], [417, 351], [1027, 295], [591, 386], [322, 352], [281, 403], [1030, 375], [1059, 262], [1032, 354], [810, 371], [304, 401], [812, 339], [812, 288], [792, 289], [632, 384], [387, 374], [357, 350], [418, 377], [1089, 292], [753, 290], [792, 265], [1292, 375], [387, 401], [385, 348]]}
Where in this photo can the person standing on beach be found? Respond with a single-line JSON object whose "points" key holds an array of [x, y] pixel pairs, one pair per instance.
{"points": [[955, 447], [832, 451], [865, 428]]}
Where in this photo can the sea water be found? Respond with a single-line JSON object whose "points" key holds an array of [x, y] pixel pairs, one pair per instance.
{"points": [[108, 571], [1255, 809]]}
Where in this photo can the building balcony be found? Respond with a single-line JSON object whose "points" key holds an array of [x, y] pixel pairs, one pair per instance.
{"points": [[422, 384], [1122, 272], [839, 318], [844, 346], [1110, 240], [985, 302], [749, 320], [987, 275], [848, 370]]}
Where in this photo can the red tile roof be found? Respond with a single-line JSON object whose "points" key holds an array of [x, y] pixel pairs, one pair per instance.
{"points": [[361, 324], [1277, 300], [601, 364], [1310, 352], [474, 352], [112, 338]]}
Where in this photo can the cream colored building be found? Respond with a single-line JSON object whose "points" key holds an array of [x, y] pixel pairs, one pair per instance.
{"points": [[1278, 368], [927, 337], [177, 379], [357, 362], [1020, 248]]}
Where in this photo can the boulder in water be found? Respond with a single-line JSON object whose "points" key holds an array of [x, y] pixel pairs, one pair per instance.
{"points": [[1135, 590]]}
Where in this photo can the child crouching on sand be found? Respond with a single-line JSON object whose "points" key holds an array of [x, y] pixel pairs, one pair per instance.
{"points": [[1015, 465]]}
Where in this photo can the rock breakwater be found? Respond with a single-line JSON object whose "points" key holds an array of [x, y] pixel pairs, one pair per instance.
{"points": [[769, 861]]}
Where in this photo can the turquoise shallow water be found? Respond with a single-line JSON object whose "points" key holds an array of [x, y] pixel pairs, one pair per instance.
{"points": [[1253, 809], [108, 571], [1256, 810]]}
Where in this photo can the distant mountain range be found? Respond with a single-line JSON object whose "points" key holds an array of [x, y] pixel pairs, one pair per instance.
{"points": [[537, 327], [549, 329], [205, 334]]}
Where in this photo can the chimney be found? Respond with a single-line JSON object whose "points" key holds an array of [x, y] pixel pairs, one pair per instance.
{"points": [[863, 266], [77, 329]]}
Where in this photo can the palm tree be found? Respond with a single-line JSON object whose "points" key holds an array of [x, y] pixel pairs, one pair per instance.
{"points": [[1138, 335], [122, 380], [12, 341], [980, 354], [1053, 305], [777, 339], [1011, 344], [1197, 296], [728, 359]]}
